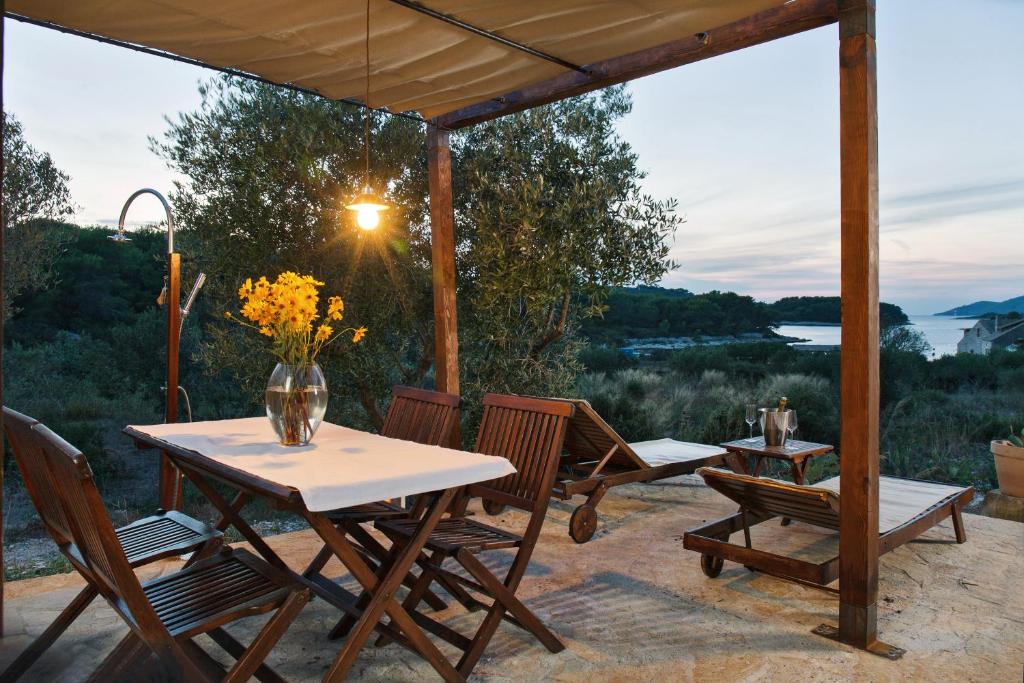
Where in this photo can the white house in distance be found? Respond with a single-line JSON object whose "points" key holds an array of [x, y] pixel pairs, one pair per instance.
{"points": [[992, 333]]}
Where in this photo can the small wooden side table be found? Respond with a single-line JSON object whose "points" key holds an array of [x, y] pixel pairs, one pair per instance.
{"points": [[796, 453]]}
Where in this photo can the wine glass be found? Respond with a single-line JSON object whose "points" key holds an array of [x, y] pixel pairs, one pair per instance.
{"points": [[792, 424], [751, 417]]}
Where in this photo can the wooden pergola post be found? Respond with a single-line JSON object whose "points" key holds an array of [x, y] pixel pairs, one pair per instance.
{"points": [[442, 247], [859, 369]]}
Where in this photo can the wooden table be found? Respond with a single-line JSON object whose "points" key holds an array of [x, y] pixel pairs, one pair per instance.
{"points": [[202, 456], [795, 452]]}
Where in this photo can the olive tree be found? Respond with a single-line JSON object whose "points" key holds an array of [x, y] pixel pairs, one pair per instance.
{"points": [[35, 191], [549, 215], [266, 175]]}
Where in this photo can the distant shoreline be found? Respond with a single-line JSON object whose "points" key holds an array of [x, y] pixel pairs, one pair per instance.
{"points": [[638, 344], [805, 323]]}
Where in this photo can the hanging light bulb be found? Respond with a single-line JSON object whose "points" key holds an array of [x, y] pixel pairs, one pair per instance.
{"points": [[367, 204], [367, 207]]}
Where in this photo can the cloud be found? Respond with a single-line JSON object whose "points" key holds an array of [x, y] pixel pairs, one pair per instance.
{"points": [[909, 208]]}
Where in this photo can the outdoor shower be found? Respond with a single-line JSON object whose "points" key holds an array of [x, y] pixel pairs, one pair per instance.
{"points": [[170, 296]]}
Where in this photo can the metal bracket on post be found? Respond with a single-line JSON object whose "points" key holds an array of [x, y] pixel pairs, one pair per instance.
{"points": [[876, 647], [857, 18]]}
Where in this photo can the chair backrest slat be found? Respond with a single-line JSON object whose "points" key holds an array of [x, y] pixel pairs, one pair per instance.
{"points": [[423, 416], [32, 464], [529, 432]]}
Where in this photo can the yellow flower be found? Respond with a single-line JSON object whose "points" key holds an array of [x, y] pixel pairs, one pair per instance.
{"points": [[335, 308], [286, 309]]}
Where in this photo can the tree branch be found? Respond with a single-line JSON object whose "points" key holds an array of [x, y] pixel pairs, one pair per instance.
{"points": [[555, 332], [369, 402]]}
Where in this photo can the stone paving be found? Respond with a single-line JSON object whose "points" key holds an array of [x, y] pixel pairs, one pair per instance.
{"points": [[633, 605]]}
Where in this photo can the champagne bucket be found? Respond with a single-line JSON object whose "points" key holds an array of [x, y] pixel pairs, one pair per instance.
{"points": [[774, 426]]}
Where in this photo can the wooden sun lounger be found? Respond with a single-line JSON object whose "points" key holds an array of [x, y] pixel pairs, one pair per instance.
{"points": [[907, 508], [595, 458]]}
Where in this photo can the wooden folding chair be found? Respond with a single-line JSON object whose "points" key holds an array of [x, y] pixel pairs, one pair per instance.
{"points": [[165, 534], [166, 613], [420, 415], [596, 458], [530, 433]]}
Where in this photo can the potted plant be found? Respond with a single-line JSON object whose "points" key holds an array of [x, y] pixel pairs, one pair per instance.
{"points": [[1009, 455]]}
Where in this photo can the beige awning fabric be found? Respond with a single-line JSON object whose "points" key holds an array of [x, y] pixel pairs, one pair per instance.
{"points": [[417, 63]]}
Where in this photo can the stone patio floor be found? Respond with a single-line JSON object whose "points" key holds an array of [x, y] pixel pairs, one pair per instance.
{"points": [[633, 605]]}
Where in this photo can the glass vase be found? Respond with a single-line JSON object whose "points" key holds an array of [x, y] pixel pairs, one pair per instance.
{"points": [[296, 402]]}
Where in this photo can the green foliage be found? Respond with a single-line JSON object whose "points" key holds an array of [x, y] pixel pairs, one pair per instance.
{"points": [[98, 285], [936, 423], [605, 359], [827, 309], [75, 385], [642, 312], [34, 189], [904, 339], [656, 312], [1016, 440], [267, 173], [550, 215]]}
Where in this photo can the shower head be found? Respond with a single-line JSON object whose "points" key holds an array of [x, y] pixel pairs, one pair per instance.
{"points": [[196, 286], [119, 236]]}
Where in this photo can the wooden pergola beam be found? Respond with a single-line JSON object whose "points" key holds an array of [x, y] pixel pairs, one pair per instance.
{"points": [[764, 27]]}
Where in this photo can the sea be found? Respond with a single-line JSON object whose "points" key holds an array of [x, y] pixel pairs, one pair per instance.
{"points": [[942, 332]]}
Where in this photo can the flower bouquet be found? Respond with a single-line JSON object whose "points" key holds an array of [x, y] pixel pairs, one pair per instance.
{"points": [[286, 311]]}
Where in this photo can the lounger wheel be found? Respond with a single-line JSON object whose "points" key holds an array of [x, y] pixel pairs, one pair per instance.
{"points": [[492, 507], [583, 523], [711, 565]]}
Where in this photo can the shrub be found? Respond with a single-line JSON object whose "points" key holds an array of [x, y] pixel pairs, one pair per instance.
{"points": [[814, 399], [605, 359]]}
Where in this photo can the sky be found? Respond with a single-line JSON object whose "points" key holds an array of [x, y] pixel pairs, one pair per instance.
{"points": [[746, 142]]}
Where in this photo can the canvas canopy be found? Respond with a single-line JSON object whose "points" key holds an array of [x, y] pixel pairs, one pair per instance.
{"points": [[511, 55], [417, 62]]}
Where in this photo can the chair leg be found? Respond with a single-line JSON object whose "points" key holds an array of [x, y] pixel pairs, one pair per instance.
{"points": [[746, 527], [503, 594], [127, 661], [481, 639], [380, 553], [234, 648], [195, 663], [319, 562], [246, 665], [958, 525], [347, 621], [412, 600], [41, 644]]}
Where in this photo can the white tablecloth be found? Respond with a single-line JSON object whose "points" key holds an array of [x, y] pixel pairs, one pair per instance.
{"points": [[341, 467]]}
